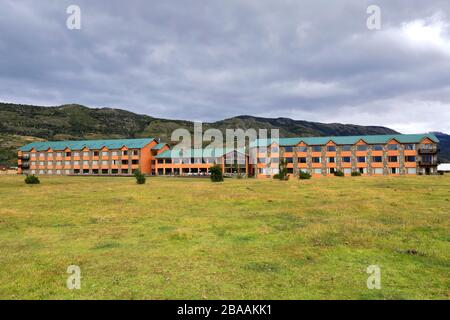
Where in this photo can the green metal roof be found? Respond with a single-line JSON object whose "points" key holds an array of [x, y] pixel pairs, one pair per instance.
{"points": [[341, 140], [90, 144], [196, 153], [159, 146]]}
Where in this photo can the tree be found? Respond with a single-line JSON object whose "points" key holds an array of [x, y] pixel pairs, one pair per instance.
{"points": [[282, 169], [216, 173], [140, 178]]}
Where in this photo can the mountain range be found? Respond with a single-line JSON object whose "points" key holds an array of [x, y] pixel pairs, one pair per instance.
{"points": [[20, 124]]}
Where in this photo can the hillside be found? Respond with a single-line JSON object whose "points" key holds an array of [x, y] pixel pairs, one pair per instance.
{"points": [[23, 123]]}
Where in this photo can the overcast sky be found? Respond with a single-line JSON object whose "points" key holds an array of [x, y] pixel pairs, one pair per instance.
{"points": [[210, 59]]}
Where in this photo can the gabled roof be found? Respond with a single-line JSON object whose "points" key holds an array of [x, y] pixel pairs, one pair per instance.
{"points": [[159, 146], [197, 153], [341, 140], [90, 144]]}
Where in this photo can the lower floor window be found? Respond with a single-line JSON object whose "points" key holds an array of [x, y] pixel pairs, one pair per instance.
{"points": [[411, 171], [378, 171]]}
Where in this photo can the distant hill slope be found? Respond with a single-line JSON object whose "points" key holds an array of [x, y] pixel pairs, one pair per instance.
{"points": [[444, 146], [22, 123]]}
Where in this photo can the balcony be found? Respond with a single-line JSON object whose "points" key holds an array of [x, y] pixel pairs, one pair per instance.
{"points": [[428, 150], [25, 157], [428, 163]]}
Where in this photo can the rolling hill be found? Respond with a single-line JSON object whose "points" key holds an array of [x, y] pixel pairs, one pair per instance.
{"points": [[21, 124]]}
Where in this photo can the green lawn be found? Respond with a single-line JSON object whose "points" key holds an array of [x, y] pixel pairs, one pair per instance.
{"points": [[176, 238]]}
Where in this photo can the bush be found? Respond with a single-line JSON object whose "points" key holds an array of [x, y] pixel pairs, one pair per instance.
{"points": [[140, 178], [338, 173], [304, 175], [32, 180], [276, 176], [216, 173], [356, 174]]}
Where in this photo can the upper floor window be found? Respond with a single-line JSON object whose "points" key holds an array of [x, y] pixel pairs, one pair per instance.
{"points": [[96, 153], [104, 153], [41, 155], [76, 154], [302, 149], [393, 159], [135, 152], [287, 149], [393, 147], [410, 159], [346, 148], [114, 153], [85, 154], [289, 160], [361, 159], [33, 155], [125, 152], [317, 148], [410, 146], [377, 159], [346, 159], [316, 160], [274, 150], [377, 147], [361, 147], [262, 149], [302, 160], [331, 148], [331, 160], [68, 154], [59, 154]]}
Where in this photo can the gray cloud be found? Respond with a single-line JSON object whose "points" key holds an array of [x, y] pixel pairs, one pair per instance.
{"points": [[206, 60]]}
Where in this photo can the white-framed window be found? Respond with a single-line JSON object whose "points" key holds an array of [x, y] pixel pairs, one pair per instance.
{"points": [[41, 171], [85, 154], [41, 155], [76, 163], [33, 171], [33, 155], [67, 172], [41, 163], [317, 171], [411, 171], [347, 171], [58, 171], [104, 163], [76, 154], [114, 153], [135, 152], [49, 171], [50, 156], [58, 163], [95, 163], [85, 163], [59, 154], [67, 163], [33, 163], [104, 154], [378, 171]]}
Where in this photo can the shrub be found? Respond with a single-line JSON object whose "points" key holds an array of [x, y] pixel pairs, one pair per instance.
{"points": [[282, 169], [338, 173], [32, 180], [140, 178], [276, 176], [356, 174], [216, 173], [304, 175]]}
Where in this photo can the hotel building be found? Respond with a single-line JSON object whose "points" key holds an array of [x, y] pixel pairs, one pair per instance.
{"points": [[398, 154], [371, 155]]}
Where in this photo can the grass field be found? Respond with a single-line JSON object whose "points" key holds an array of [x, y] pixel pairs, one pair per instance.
{"points": [[176, 238]]}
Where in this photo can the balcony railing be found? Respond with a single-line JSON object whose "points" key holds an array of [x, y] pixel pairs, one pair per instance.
{"points": [[428, 150], [428, 163]]}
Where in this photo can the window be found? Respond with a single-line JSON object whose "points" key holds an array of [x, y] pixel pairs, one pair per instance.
{"points": [[394, 170], [331, 170], [33, 155], [67, 163], [393, 159], [274, 150], [290, 160], [346, 159], [76, 154], [124, 162], [302, 160], [68, 154], [316, 160], [347, 171], [160, 161], [377, 159], [104, 163], [41, 155], [85, 154], [95, 163], [105, 154], [317, 148], [124, 171], [49, 172], [262, 150], [361, 159], [67, 172], [96, 153], [261, 160], [331, 148], [59, 154], [377, 147], [393, 147], [331, 160], [346, 148], [76, 163], [76, 171], [50, 156], [41, 163], [125, 152], [317, 171], [85, 163], [114, 153], [135, 162], [411, 171], [378, 171], [33, 171], [114, 162], [410, 147], [362, 170], [303, 149], [58, 163], [287, 149], [104, 171], [135, 152], [94, 171], [361, 147], [58, 171], [410, 159], [275, 160], [85, 171]]}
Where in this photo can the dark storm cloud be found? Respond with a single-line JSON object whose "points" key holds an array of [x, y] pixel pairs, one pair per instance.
{"points": [[207, 60]]}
